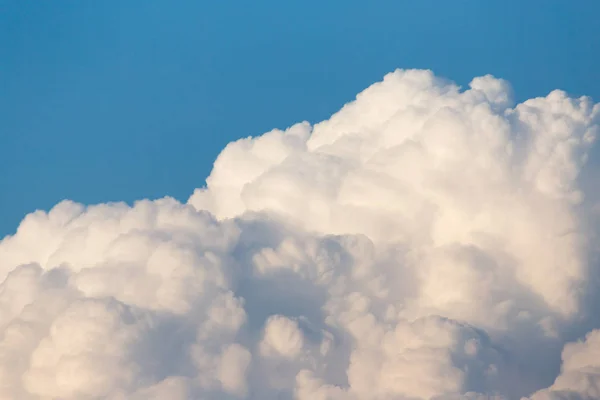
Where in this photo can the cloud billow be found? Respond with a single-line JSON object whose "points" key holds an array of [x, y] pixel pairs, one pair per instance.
{"points": [[425, 242]]}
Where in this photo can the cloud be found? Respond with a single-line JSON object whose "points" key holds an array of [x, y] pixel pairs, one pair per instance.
{"points": [[580, 375], [425, 242]]}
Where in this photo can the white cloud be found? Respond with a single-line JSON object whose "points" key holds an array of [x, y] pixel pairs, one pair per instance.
{"points": [[580, 373], [424, 242], [282, 337]]}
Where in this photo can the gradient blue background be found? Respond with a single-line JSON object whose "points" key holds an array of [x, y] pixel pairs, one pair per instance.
{"points": [[120, 100]]}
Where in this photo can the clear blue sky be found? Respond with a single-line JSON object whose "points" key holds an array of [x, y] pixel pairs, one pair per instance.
{"points": [[120, 100]]}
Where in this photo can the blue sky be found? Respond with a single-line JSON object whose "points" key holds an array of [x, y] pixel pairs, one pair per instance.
{"points": [[113, 100]]}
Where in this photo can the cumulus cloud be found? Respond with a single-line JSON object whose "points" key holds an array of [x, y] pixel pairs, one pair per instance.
{"points": [[425, 242]]}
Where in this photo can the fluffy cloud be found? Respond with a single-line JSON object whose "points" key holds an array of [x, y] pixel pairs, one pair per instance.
{"points": [[425, 242]]}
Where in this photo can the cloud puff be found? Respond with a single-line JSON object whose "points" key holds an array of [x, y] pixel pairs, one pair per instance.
{"points": [[425, 242]]}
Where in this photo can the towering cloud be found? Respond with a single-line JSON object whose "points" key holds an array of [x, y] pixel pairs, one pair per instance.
{"points": [[425, 242]]}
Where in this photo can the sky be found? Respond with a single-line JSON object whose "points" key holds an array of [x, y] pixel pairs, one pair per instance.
{"points": [[288, 201], [107, 101]]}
